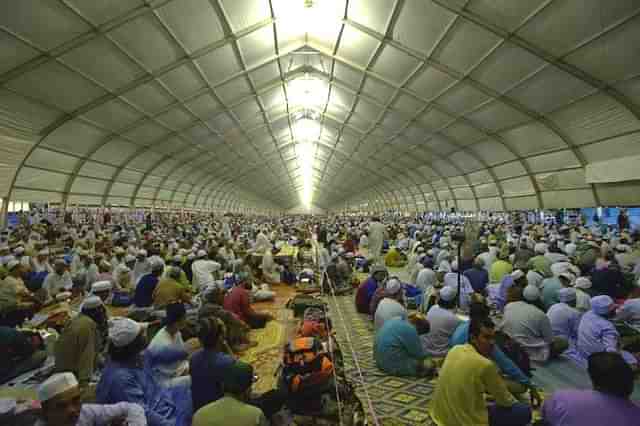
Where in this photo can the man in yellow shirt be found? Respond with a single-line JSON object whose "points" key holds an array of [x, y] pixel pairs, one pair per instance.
{"points": [[467, 374]]}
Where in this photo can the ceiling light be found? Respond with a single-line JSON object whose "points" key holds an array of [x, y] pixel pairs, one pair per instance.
{"points": [[307, 130], [299, 17], [307, 91]]}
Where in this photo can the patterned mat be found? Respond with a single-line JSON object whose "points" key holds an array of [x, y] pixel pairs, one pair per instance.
{"points": [[397, 401], [266, 356]]}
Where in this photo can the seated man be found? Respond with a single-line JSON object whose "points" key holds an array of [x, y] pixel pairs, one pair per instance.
{"points": [[79, 344], [607, 404], [368, 288], [57, 281], [466, 375], [630, 310], [237, 302], [170, 290], [60, 398], [517, 380], [22, 351], [597, 333], [237, 332], [393, 258], [128, 377], [143, 297], [270, 269], [391, 305], [209, 363], [530, 327], [169, 337], [17, 303], [442, 322], [564, 316], [233, 408], [398, 351], [478, 276]]}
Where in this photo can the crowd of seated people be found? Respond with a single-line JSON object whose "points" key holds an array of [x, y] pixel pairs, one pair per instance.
{"points": [[519, 295]]}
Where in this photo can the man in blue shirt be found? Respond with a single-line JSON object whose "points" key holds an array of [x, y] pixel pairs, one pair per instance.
{"points": [[143, 297], [207, 366], [398, 350]]}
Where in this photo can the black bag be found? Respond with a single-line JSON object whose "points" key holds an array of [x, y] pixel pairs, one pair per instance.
{"points": [[301, 302]]}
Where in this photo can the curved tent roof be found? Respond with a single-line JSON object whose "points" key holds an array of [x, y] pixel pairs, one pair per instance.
{"points": [[419, 105]]}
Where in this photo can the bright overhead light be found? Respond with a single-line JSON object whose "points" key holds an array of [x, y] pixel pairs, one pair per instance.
{"points": [[307, 130], [307, 91], [316, 17]]}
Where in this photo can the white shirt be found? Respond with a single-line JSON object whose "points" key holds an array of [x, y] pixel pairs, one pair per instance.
{"points": [[166, 372], [426, 278], [203, 270], [103, 415]]}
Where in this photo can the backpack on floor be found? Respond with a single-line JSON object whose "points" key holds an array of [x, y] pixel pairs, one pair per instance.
{"points": [[301, 302], [306, 368], [315, 324]]}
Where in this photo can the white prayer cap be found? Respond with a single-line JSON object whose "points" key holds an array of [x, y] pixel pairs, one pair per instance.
{"points": [[531, 293], [540, 248], [19, 250], [430, 252], [583, 283], [142, 252], [43, 252], [201, 253], [156, 263], [91, 302], [124, 270], [448, 293], [191, 256], [12, 264], [517, 274], [393, 286], [129, 258], [59, 262], [183, 252], [420, 249], [4, 247], [64, 295], [55, 385], [123, 331], [101, 286]]}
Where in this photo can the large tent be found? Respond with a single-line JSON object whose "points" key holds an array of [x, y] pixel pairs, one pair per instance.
{"points": [[367, 105]]}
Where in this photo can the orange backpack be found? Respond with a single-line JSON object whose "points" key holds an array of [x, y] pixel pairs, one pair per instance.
{"points": [[306, 366]]}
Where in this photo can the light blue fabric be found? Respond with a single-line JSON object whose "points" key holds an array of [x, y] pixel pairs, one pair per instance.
{"points": [[136, 384], [596, 334], [398, 349], [564, 322], [550, 289], [504, 363]]}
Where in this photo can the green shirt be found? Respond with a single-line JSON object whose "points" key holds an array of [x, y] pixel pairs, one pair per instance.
{"points": [[228, 411], [463, 380], [76, 348]]}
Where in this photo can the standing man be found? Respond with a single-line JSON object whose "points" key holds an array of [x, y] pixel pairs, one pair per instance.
{"points": [[377, 234]]}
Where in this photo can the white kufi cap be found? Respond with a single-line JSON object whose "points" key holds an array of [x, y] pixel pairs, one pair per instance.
{"points": [[55, 385]]}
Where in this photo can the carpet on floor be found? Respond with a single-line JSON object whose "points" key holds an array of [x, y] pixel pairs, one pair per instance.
{"points": [[267, 355], [397, 401]]}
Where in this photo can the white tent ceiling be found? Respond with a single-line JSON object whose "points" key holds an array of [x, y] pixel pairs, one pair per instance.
{"points": [[478, 104]]}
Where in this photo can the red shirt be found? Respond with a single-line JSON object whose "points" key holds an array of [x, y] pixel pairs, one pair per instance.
{"points": [[237, 302]]}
